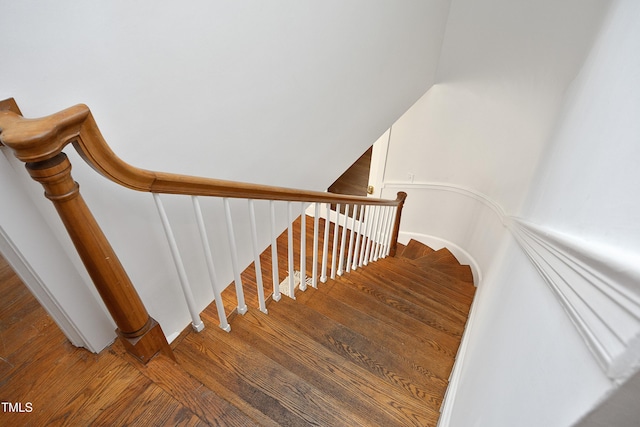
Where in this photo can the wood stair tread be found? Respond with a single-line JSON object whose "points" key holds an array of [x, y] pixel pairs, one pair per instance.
{"points": [[395, 371], [262, 383], [447, 290], [375, 330], [415, 249], [438, 287], [409, 297], [368, 397], [442, 256], [435, 342], [446, 284], [459, 272], [385, 307], [442, 260]]}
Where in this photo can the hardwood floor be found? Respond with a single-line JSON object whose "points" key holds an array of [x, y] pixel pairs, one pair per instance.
{"points": [[374, 347], [47, 381]]}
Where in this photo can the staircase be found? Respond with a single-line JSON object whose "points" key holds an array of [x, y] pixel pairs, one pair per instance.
{"points": [[372, 347], [375, 347]]}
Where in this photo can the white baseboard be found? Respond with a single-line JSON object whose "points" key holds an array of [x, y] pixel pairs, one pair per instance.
{"points": [[446, 410]]}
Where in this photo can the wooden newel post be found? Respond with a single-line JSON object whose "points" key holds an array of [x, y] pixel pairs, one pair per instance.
{"points": [[402, 196], [141, 334]]}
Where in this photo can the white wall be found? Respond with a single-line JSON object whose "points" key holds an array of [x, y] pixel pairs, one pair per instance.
{"points": [[585, 185], [282, 92], [474, 139], [469, 148], [533, 123], [524, 365], [503, 71]]}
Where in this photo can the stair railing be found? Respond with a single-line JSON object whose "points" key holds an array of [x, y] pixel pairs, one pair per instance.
{"points": [[372, 227]]}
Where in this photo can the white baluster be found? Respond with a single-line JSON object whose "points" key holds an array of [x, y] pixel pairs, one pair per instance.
{"points": [[314, 268], [351, 237], [371, 237], [383, 221], [233, 250], [344, 239], [224, 325], [334, 250], [274, 254], [365, 235], [385, 231], [290, 252], [391, 224], [325, 244], [356, 253], [387, 239], [256, 257], [303, 248], [196, 322], [383, 244], [374, 241]]}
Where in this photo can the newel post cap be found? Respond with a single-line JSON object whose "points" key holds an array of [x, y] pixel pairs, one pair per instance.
{"points": [[35, 140]]}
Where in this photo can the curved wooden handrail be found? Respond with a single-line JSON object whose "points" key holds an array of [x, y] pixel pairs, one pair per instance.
{"points": [[76, 125]]}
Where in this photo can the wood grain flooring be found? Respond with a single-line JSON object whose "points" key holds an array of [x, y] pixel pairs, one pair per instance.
{"points": [[372, 348]]}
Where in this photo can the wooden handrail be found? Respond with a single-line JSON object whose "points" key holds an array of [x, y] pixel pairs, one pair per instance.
{"points": [[76, 125], [39, 143]]}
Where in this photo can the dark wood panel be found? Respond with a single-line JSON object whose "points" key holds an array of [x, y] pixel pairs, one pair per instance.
{"points": [[355, 179]]}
